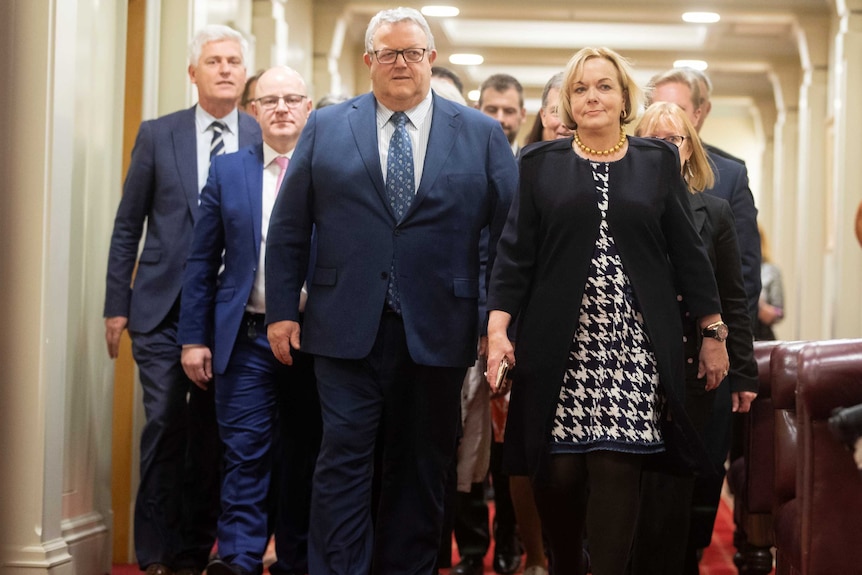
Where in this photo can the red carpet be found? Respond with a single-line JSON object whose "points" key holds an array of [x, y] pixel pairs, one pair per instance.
{"points": [[717, 558]]}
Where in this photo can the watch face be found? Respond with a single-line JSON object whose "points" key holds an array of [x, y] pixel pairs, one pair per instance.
{"points": [[721, 332]]}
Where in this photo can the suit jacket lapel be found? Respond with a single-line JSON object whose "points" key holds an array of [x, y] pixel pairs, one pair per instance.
{"points": [[445, 125], [698, 208], [252, 163], [363, 122], [186, 154]]}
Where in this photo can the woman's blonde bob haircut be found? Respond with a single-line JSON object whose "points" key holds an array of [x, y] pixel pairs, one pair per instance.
{"points": [[632, 94], [697, 170]]}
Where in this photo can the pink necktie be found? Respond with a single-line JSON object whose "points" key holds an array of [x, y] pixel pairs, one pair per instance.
{"points": [[282, 162]]}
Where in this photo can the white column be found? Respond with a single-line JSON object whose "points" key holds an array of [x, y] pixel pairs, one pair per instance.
{"points": [[782, 228], [59, 156], [806, 285], [844, 303]]}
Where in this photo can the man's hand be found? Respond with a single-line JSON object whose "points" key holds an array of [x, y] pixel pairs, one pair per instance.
{"points": [[741, 401], [114, 327], [197, 362], [283, 336]]}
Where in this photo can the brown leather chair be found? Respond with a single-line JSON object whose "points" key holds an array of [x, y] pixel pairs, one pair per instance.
{"points": [[785, 512], [818, 506], [751, 477]]}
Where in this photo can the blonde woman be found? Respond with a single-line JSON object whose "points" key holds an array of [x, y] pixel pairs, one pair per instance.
{"points": [[598, 243]]}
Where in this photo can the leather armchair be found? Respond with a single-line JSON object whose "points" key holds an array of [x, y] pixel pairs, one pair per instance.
{"points": [[751, 477], [818, 505]]}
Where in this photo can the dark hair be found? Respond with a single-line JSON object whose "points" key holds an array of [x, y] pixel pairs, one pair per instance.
{"points": [[501, 83], [247, 95], [443, 72]]}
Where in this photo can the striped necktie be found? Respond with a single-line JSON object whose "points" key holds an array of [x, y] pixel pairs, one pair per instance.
{"points": [[217, 145]]}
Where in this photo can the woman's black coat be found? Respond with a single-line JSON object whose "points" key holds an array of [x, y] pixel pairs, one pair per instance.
{"points": [[543, 259]]}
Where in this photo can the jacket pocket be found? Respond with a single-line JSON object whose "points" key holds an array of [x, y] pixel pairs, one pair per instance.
{"points": [[225, 293], [150, 256], [465, 287]]}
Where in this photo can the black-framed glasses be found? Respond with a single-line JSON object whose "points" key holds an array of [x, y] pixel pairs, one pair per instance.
{"points": [[292, 101], [674, 139], [410, 55]]}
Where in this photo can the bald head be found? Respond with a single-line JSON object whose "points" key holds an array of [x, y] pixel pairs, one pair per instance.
{"points": [[281, 106]]}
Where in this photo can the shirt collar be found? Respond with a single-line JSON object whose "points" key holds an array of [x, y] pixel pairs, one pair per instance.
{"points": [[417, 114], [269, 155], [204, 119]]}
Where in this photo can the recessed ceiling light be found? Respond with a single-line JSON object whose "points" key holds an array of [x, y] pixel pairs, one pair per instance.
{"points": [[701, 17], [466, 59], [696, 64], [440, 11], [473, 95]]}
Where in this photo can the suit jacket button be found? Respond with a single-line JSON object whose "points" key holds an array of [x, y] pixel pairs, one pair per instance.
{"points": [[384, 275]]}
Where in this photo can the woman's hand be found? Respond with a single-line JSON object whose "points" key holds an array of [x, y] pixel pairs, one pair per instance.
{"points": [[499, 346], [713, 362]]}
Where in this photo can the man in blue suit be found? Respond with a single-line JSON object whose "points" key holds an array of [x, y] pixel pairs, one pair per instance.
{"points": [[398, 184], [177, 500], [223, 334]]}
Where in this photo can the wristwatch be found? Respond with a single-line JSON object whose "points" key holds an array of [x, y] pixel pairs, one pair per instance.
{"points": [[716, 330]]}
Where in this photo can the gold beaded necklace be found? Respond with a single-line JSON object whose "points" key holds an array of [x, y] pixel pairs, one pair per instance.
{"points": [[589, 150]]}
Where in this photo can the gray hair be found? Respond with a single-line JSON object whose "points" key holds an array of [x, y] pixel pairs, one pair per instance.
{"points": [[215, 33], [556, 81], [684, 76], [393, 16]]}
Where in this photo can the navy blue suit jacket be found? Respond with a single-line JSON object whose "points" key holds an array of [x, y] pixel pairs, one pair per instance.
{"points": [[335, 183], [731, 185], [161, 190], [228, 231]]}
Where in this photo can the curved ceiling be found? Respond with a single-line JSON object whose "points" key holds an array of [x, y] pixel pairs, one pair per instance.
{"points": [[533, 40]]}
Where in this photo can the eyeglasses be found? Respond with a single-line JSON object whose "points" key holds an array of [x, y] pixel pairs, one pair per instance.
{"points": [[292, 101], [411, 55], [674, 139]]}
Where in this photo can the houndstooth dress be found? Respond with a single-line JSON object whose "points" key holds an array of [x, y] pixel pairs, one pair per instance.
{"points": [[610, 398]]}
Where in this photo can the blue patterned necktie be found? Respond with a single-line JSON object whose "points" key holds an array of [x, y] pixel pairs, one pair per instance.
{"points": [[400, 189]]}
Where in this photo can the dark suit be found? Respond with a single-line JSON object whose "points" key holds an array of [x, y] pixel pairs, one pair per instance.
{"points": [[249, 380], [177, 500], [731, 185], [401, 372], [666, 490]]}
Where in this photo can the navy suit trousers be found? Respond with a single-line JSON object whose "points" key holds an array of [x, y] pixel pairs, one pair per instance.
{"points": [[178, 496], [416, 411], [269, 419]]}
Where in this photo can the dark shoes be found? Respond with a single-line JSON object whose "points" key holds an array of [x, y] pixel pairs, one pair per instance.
{"points": [[158, 569], [219, 567], [469, 565], [506, 563]]}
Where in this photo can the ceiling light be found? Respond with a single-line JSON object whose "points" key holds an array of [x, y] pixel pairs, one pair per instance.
{"points": [[701, 17], [696, 64], [440, 11], [466, 59], [473, 95]]}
